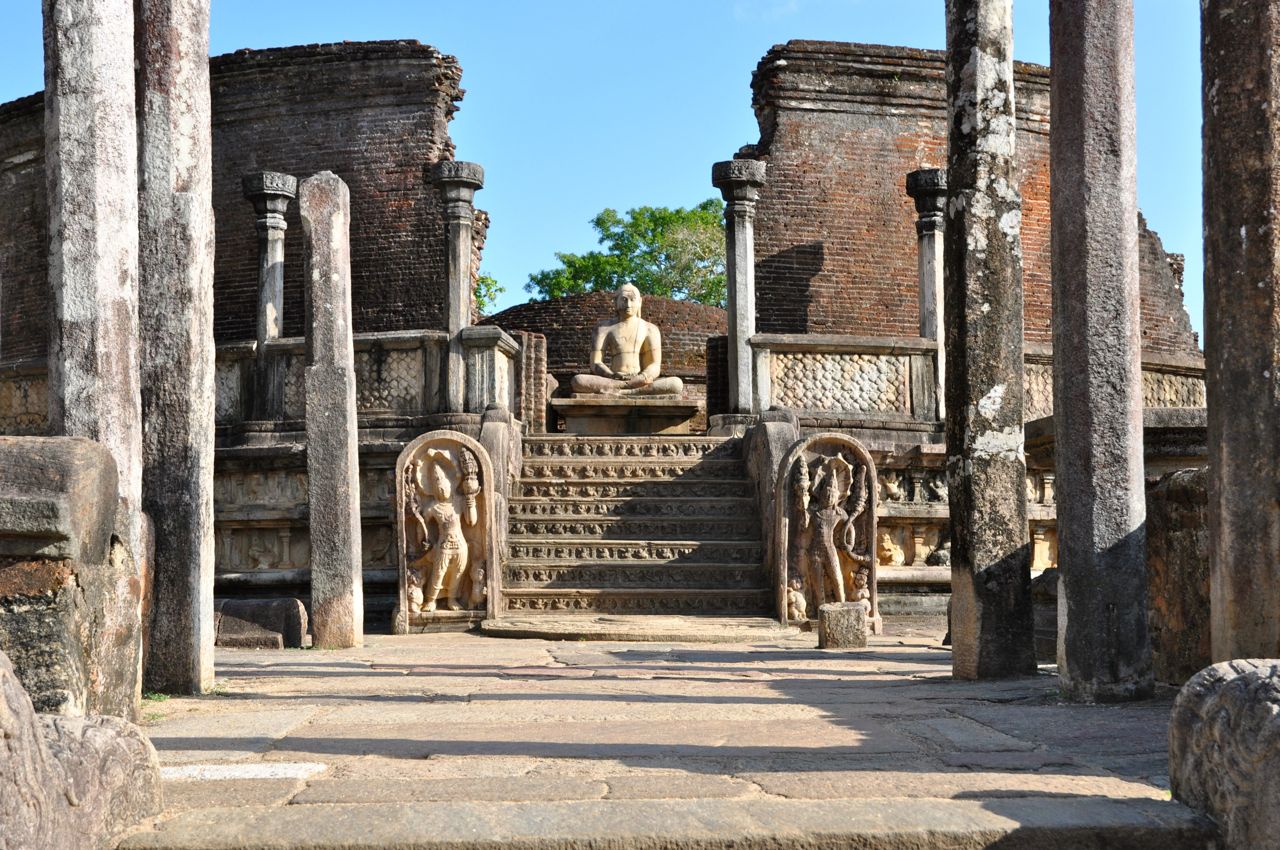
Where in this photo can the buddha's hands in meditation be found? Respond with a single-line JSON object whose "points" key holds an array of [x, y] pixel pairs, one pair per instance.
{"points": [[635, 382]]}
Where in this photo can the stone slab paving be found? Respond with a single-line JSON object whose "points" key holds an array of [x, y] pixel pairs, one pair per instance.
{"points": [[461, 740]]}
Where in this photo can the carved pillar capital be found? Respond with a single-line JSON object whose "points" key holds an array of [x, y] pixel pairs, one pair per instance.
{"points": [[928, 188], [270, 192], [457, 183], [739, 182]]}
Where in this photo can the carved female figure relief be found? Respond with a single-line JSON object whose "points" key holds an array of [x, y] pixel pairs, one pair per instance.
{"points": [[445, 530]]}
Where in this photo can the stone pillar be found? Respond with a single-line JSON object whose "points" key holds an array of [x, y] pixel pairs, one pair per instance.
{"points": [[270, 193], [91, 169], [1104, 653], [991, 622], [928, 188], [458, 182], [176, 318], [1242, 323], [333, 468], [739, 181]]}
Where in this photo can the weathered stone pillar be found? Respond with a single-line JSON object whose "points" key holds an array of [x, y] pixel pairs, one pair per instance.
{"points": [[333, 468], [1103, 649], [458, 182], [1242, 323], [270, 192], [739, 181], [176, 317], [991, 622], [91, 168], [928, 188]]}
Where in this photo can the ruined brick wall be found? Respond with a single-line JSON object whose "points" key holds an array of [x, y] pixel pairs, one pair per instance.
{"points": [[24, 231], [374, 113], [841, 125], [568, 324]]}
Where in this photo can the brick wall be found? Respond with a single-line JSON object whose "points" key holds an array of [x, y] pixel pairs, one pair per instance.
{"points": [[841, 125], [374, 113], [568, 324]]}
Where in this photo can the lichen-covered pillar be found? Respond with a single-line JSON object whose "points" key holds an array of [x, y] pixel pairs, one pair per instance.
{"points": [[91, 169], [739, 181], [1104, 653], [1242, 322], [270, 192], [333, 467], [458, 182], [991, 624], [176, 317], [928, 188]]}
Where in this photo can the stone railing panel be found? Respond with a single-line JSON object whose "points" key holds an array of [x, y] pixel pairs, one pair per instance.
{"points": [[864, 383], [24, 402]]}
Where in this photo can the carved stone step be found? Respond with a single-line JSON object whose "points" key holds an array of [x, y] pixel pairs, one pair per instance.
{"points": [[688, 527], [648, 601], [670, 489], [561, 509], [704, 552], [610, 576], [667, 448], [630, 469]]}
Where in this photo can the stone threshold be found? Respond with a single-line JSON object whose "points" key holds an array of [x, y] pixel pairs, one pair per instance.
{"points": [[1020, 823], [638, 627]]}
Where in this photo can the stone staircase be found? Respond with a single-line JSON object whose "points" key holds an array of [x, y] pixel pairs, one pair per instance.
{"points": [[635, 525]]}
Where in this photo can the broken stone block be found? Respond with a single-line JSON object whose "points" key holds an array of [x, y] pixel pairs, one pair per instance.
{"points": [[843, 625], [70, 594], [69, 781], [1178, 574], [240, 619], [1224, 749]]}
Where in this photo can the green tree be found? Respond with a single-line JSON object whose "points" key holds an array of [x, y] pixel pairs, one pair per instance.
{"points": [[674, 253], [487, 291]]}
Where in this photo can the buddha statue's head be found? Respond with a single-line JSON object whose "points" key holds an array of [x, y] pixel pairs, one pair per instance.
{"points": [[627, 301]]}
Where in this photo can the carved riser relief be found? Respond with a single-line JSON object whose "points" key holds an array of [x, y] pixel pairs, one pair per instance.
{"points": [[629, 471], [24, 406], [639, 529], [674, 449], [695, 552], [899, 489], [857, 383], [754, 603], [237, 492], [563, 509], [244, 548], [751, 578], [642, 489]]}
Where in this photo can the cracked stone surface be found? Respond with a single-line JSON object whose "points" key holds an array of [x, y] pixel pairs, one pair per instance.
{"points": [[425, 739]]}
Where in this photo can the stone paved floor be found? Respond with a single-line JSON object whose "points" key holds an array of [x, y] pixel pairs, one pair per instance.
{"points": [[444, 740]]}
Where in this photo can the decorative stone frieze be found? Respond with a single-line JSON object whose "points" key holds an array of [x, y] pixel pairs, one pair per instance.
{"points": [[446, 529], [843, 382], [825, 524]]}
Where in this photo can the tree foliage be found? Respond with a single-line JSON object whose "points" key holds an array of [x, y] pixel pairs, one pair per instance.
{"points": [[674, 253], [487, 291]]}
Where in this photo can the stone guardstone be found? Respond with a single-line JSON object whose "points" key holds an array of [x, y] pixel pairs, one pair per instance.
{"points": [[267, 622], [1224, 749], [843, 625], [610, 416]]}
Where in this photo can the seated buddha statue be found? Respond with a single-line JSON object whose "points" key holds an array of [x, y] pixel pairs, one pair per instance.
{"points": [[626, 354]]}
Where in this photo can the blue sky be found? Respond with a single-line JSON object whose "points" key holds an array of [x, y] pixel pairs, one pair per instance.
{"points": [[576, 105]]}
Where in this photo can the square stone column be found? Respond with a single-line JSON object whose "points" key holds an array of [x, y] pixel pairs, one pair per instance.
{"points": [[928, 188], [176, 318], [458, 182], [270, 192], [91, 169], [333, 464], [1103, 649], [1242, 322], [991, 622], [739, 181]]}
